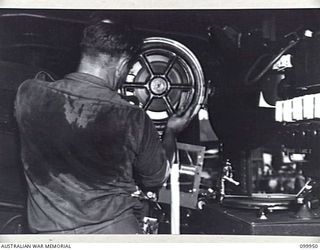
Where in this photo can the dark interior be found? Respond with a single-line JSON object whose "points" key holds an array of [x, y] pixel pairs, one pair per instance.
{"points": [[48, 40]]}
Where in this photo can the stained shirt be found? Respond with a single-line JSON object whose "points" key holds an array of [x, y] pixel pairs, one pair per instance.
{"points": [[84, 149]]}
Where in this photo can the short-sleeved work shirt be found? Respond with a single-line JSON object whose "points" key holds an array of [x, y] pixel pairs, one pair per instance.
{"points": [[84, 149]]}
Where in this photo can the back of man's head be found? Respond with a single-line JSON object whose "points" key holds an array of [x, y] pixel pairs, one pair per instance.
{"points": [[108, 38]]}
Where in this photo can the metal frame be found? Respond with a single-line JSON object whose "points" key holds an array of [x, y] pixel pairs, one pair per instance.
{"points": [[190, 199]]}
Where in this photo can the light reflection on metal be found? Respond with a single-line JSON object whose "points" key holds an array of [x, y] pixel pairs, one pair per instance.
{"points": [[166, 77]]}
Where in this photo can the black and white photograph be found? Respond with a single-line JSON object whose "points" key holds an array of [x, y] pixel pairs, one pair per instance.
{"points": [[162, 122]]}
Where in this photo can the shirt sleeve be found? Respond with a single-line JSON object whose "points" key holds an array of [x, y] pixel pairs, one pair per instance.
{"points": [[151, 166]]}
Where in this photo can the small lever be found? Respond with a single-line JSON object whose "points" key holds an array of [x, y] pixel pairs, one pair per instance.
{"points": [[303, 200], [231, 180], [227, 175], [305, 189]]}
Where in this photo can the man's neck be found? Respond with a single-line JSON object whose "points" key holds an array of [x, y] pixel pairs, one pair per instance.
{"points": [[95, 68]]}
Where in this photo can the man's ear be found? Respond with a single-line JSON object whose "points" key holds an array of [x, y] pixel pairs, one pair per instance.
{"points": [[123, 66], [122, 70]]}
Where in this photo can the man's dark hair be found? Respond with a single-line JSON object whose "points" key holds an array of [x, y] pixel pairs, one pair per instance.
{"points": [[109, 38]]}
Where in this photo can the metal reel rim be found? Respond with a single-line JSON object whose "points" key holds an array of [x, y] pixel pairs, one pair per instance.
{"points": [[171, 46]]}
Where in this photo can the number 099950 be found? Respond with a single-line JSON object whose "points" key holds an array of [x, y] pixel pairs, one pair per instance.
{"points": [[308, 246]]}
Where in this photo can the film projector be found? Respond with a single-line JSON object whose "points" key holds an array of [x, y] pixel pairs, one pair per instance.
{"points": [[167, 78]]}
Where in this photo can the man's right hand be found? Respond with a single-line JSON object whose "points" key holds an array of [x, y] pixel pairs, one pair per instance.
{"points": [[178, 122]]}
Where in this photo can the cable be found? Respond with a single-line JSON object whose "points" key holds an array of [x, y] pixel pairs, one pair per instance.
{"points": [[267, 68], [9, 221], [253, 67]]}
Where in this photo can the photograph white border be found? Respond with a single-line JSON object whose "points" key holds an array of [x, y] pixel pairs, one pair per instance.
{"points": [[157, 4], [160, 4]]}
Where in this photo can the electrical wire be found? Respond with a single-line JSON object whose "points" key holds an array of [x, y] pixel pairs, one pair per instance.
{"points": [[270, 64], [254, 66], [9, 221]]}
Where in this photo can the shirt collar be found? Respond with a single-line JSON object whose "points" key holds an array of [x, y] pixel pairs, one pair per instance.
{"points": [[91, 79]]}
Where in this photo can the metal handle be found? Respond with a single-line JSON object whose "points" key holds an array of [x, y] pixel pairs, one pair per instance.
{"points": [[231, 180]]}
